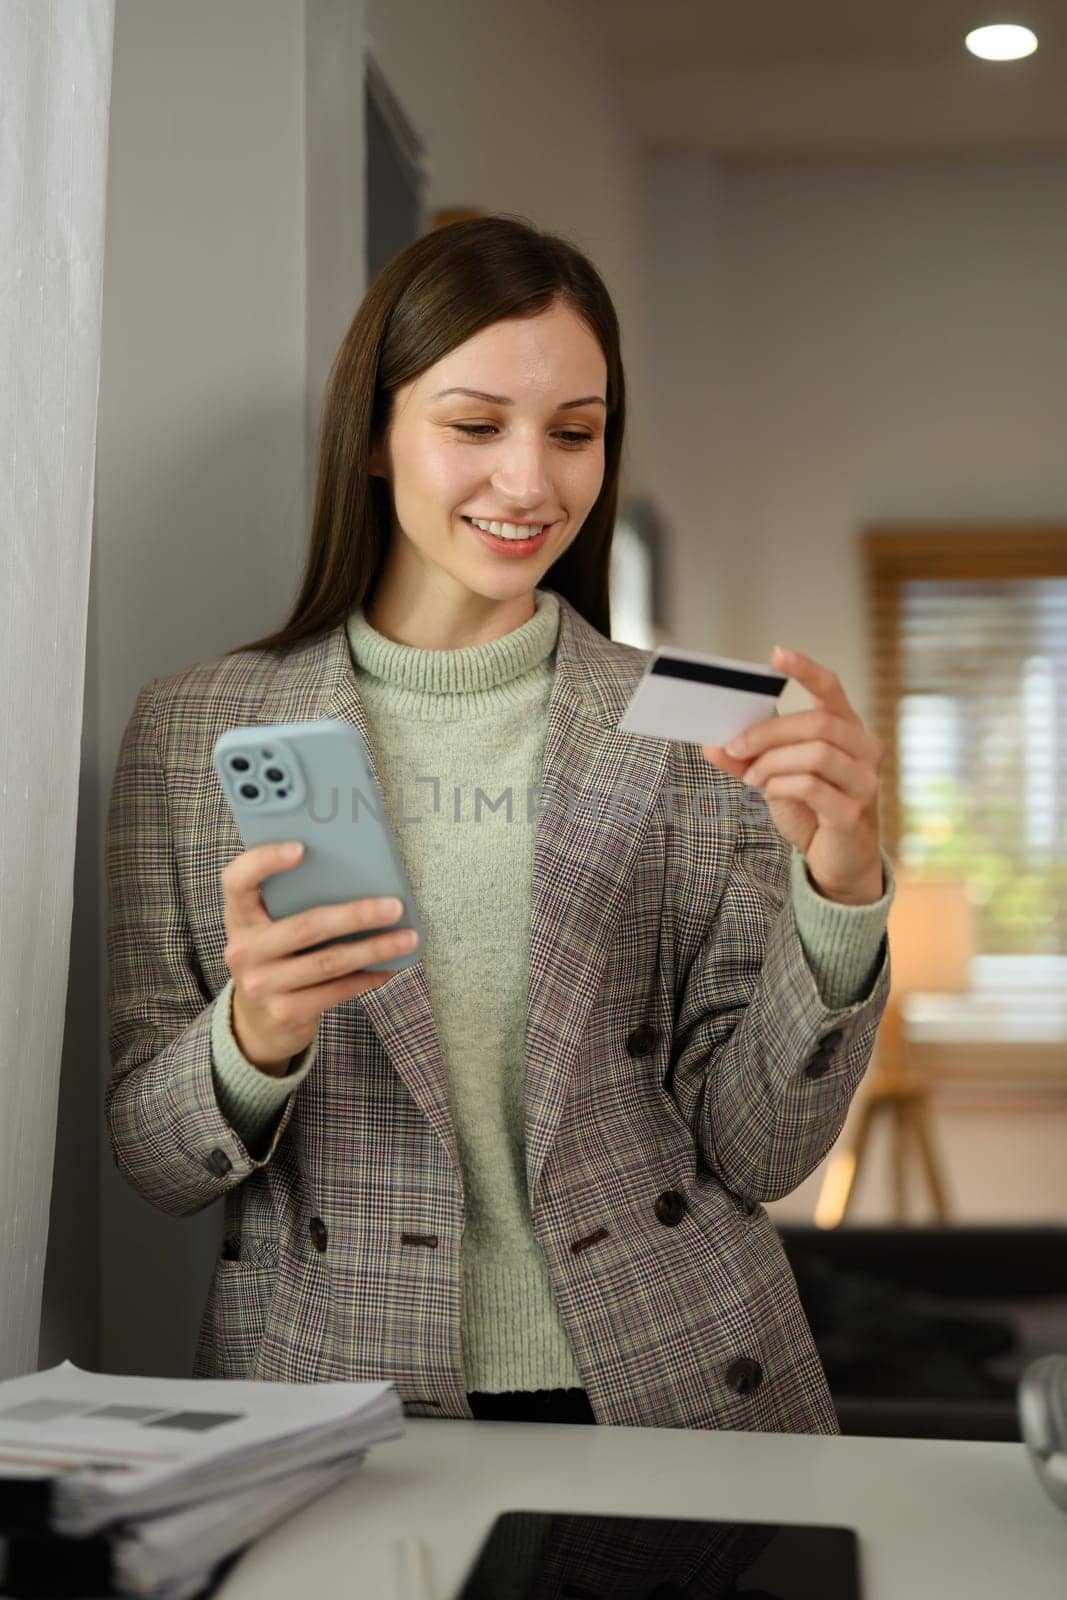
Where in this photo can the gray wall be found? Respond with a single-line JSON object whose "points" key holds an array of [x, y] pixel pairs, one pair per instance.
{"points": [[229, 280]]}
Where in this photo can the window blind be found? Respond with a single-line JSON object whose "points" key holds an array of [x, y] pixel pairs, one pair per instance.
{"points": [[970, 696]]}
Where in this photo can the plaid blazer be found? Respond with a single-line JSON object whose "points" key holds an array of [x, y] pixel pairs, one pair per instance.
{"points": [[680, 1069]]}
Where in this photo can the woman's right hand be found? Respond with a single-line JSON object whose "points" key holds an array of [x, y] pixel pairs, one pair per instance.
{"points": [[278, 997]]}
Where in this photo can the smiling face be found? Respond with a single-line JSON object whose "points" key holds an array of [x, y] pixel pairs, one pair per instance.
{"points": [[525, 456]]}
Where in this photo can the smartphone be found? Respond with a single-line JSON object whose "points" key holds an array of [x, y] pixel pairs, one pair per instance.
{"points": [[312, 781], [538, 1555]]}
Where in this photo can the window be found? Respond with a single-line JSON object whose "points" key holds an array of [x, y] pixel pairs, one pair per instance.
{"points": [[970, 631]]}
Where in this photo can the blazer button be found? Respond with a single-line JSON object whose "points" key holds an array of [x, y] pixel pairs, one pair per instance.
{"points": [[671, 1208], [318, 1232], [641, 1041], [218, 1163], [744, 1375]]}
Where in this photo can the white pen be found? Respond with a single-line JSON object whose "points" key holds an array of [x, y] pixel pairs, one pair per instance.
{"points": [[414, 1569]]}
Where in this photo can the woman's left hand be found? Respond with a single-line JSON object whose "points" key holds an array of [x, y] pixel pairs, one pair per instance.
{"points": [[819, 772]]}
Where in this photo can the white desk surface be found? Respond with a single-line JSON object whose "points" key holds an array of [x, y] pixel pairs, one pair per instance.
{"points": [[937, 1519]]}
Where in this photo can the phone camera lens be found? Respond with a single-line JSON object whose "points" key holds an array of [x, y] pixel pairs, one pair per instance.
{"points": [[239, 763], [249, 791], [274, 774]]}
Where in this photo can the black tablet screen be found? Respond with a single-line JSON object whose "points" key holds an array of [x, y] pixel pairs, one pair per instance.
{"points": [[542, 1555]]}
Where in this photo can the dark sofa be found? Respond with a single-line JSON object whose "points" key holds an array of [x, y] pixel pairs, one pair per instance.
{"points": [[923, 1330]]}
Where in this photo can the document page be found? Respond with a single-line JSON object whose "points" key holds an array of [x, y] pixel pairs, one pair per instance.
{"points": [[120, 1446]]}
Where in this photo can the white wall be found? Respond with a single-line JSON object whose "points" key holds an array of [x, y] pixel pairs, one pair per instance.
{"points": [[868, 343], [689, 403], [903, 354]]}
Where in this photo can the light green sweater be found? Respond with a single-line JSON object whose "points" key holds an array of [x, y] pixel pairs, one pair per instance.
{"points": [[475, 719]]}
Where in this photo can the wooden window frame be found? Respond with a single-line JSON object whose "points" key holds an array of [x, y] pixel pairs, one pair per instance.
{"points": [[1021, 1075], [899, 553]]}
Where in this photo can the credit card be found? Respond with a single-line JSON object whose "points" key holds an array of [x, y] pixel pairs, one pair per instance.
{"points": [[701, 699]]}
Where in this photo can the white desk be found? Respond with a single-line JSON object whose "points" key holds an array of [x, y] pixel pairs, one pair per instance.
{"points": [[936, 1519]]}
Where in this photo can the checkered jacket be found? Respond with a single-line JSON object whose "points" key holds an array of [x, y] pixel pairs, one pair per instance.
{"points": [[681, 1068]]}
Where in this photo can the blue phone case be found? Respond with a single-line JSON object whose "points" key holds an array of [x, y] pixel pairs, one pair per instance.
{"points": [[311, 781]]}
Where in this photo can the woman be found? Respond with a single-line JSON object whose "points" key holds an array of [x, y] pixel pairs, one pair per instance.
{"points": [[523, 1176]]}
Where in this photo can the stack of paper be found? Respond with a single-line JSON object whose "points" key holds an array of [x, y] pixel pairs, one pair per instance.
{"points": [[143, 1486]]}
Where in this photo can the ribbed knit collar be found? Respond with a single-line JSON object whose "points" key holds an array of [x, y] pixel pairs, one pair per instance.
{"points": [[470, 670]]}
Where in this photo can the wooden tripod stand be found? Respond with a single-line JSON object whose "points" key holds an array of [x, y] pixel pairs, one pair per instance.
{"points": [[897, 1095]]}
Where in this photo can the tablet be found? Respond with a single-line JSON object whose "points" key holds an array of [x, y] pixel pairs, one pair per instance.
{"points": [[544, 1555]]}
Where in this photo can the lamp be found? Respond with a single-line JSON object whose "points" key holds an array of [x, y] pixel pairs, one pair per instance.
{"points": [[931, 946], [931, 936]]}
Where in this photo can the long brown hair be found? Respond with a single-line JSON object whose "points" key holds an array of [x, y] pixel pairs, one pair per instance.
{"points": [[430, 297]]}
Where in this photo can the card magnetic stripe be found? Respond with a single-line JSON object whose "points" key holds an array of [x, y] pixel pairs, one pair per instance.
{"points": [[771, 683]]}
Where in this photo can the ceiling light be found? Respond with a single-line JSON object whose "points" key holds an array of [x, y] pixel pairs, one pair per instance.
{"points": [[1002, 42]]}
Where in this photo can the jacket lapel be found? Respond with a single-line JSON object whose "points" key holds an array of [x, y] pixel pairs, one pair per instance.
{"points": [[598, 788]]}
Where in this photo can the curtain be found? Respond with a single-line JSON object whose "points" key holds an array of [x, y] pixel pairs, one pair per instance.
{"points": [[55, 88]]}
